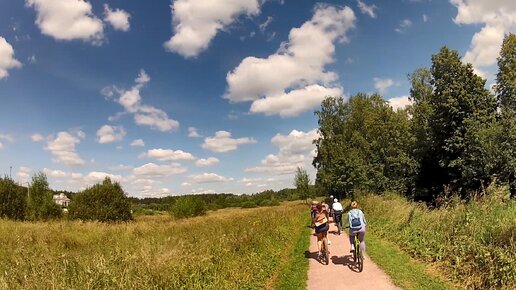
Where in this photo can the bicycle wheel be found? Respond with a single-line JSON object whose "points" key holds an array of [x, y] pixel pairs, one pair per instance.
{"points": [[326, 252], [360, 261]]}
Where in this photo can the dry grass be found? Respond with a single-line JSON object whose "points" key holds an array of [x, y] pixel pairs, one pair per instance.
{"points": [[227, 249]]}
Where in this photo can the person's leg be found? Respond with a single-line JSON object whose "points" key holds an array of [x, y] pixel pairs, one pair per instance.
{"points": [[352, 239], [319, 242], [361, 238]]}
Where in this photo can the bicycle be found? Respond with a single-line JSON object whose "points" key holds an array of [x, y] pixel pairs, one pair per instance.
{"points": [[358, 256]]}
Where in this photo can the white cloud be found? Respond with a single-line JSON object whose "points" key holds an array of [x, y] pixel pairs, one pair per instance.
{"points": [[425, 18], [7, 137], [96, 177], [121, 168], [67, 20], [367, 9], [192, 133], [108, 134], [143, 114], [399, 102], [264, 25], [24, 174], [207, 162], [168, 155], [222, 142], [153, 170], [196, 22], [138, 143], [118, 18], [295, 150], [7, 60], [63, 148], [382, 84], [300, 62], [294, 102], [498, 18], [36, 137], [55, 173], [404, 25], [206, 178]]}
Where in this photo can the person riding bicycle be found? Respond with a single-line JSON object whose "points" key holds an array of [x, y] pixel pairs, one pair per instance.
{"points": [[337, 213], [321, 227], [357, 226], [329, 202]]}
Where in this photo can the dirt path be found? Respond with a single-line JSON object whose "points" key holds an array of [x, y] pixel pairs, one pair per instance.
{"points": [[341, 272]]}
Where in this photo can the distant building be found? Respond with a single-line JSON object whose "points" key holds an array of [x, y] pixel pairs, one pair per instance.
{"points": [[61, 199]]}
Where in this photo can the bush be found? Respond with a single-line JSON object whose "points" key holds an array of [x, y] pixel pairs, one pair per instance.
{"points": [[41, 206], [188, 206], [248, 204], [13, 200], [105, 202]]}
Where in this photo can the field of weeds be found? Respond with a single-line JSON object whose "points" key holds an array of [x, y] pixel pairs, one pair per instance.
{"points": [[473, 244], [227, 249]]}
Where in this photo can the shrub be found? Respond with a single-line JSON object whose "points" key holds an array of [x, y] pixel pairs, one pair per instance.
{"points": [[105, 202], [248, 204], [13, 200], [40, 205], [188, 206]]}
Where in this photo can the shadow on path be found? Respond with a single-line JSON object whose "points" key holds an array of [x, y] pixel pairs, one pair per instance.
{"points": [[346, 260]]}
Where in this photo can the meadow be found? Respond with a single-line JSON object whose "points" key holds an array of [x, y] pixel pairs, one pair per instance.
{"points": [[472, 244], [226, 249]]}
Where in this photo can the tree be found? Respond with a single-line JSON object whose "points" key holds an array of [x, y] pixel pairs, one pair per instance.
{"points": [[41, 205], [302, 183], [189, 206], [506, 98], [13, 200], [105, 202]]}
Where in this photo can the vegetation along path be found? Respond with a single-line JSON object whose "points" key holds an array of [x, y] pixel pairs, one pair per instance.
{"points": [[341, 272]]}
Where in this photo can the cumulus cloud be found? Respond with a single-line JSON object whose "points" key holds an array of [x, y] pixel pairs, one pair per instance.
{"points": [[404, 25], [295, 150], [399, 102], [168, 154], [207, 162], [108, 134], [382, 84], [138, 143], [143, 114], [24, 174], [196, 22], [151, 170], [300, 62], [192, 133], [206, 178], [67, 20], [222, 142], [36, 137], [367, 9], [118, 18], [498, 18], [7, 60], [7, 137], [62, 148]]}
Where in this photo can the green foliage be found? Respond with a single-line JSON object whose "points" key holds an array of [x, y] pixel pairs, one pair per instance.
{"points": [[302, 183], [364, 145], [472, 242], [188, 206], [105, 202], [40, 205], [13, 200]]}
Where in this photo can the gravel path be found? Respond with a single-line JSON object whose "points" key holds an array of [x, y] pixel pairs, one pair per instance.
{"points": [[341, 273]]}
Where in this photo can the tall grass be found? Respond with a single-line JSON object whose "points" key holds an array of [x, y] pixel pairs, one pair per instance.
{"points": [[228, 249], [473, 243]]}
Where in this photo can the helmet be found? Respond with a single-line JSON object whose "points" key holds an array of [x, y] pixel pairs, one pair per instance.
{"points": [[335, 200], [331, 196]]}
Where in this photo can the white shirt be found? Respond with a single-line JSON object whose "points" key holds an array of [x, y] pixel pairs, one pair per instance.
{"points": [[337, 206]]}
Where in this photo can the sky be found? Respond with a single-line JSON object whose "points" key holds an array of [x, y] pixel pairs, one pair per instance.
{"points": [[209, 96]]}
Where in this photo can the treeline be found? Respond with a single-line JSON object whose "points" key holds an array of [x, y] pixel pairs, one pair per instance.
{"points": [[457, 137]]}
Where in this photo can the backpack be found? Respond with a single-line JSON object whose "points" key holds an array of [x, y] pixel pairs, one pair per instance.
{"points": [[354, 219]]}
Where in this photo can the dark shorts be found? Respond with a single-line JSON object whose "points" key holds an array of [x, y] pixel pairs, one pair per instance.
{"points": [[322, 228]]}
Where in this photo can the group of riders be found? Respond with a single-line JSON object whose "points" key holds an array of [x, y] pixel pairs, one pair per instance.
{"points": [[332, 208]]}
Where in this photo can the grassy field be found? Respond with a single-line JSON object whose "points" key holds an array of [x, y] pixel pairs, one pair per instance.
{"points": [[227, 249], [472, 244]]}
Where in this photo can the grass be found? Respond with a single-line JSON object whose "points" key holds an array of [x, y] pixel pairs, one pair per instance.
{"points": [[472, 244], [403, 270], [295, 273], [227, 249]]}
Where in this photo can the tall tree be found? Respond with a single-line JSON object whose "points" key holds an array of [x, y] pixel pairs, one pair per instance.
{"points": [[41, 206], [13, 199], [302, 183]]}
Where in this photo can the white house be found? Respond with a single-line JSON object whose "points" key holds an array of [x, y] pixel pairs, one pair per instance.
{"points": [[61, 200]]}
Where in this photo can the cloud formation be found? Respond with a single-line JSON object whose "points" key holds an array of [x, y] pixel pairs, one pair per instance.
{"points": [[222, 142], [7, 60], [62, 148], [367, 9], [206, 178], [300, 62], [118, 18], [382, 84], [207, 162], [108, 134], [196, 22], [399, 102], [138, 143], [151, 170], [67, 20], [404, 25], [168, 155]]}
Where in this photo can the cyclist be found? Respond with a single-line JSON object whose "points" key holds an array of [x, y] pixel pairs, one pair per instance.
{"points": [[337, 212], [326, 211], [321, 227], [329, 202], [357, 226]]}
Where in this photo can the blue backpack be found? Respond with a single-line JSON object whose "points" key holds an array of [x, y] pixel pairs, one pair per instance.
{"points": [[354, 219]]}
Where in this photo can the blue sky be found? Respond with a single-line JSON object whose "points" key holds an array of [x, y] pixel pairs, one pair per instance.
{"points": [[196, 96]]}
